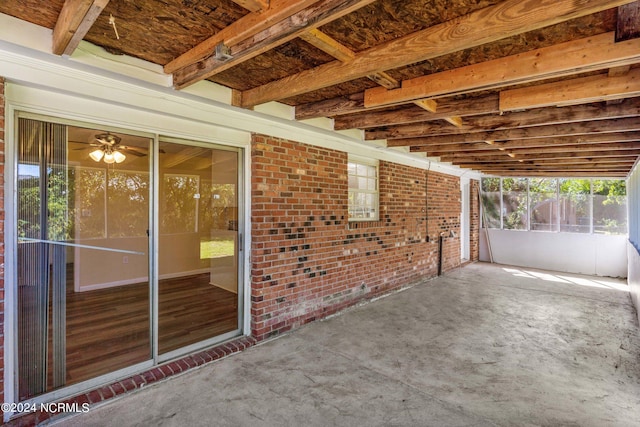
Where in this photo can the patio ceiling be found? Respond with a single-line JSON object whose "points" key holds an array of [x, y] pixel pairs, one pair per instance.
{"points": [[515, 87]]}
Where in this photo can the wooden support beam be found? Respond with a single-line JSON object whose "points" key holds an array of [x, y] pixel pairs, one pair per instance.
{"points": [[588, 54], [576, 91], [503, 157], [328, 45], [511, 120], [487, 104], [245, 27], [628, 23], [310, 14], [253, 5], [563, 174], [74, 22], [570, 142], [631, 124], [342, 53], [429, 105], [346, 104], [607, 161], [599, 138], [505, 19], [534, 150]]}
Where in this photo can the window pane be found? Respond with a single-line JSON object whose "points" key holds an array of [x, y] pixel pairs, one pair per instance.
{"points": [[609, 207], [574, 202], [514, 200], [363, 195], [180, 203], [491, 202], [544, 204], [83, 295]]}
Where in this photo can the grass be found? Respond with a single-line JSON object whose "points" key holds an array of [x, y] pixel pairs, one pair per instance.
{"points": [[216, 248]]}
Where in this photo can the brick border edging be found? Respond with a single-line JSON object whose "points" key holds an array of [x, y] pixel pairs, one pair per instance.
{"points": [[134, 382]]}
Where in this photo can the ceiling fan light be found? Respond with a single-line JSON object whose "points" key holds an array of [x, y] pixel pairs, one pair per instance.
{"points": [[118, 156], [109, 158], [96, 155]]}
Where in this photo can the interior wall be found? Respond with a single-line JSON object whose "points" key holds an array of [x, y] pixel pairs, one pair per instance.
{"points": [[595, 254], [309, 261]]}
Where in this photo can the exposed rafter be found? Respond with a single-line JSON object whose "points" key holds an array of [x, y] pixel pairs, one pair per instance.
{"points": [[505, 19], [571, 92], [306, 15], [253, 5], [535, 117], [567, 129], [238, 31], [75, 20], [578, 56]]}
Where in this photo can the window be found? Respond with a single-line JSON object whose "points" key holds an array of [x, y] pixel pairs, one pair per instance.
{"points": [[514, 203], [543, 199], [550, 204], [575, 205], [363, 190], [491, 202], [609, 206]]}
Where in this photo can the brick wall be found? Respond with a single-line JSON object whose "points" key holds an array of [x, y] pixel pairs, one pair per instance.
{"points": [[308, 261], [2, 122], [474, 214]]}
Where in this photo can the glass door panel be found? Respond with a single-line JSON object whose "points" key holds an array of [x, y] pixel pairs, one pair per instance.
{"points": [[198, 244], [82, 254]]}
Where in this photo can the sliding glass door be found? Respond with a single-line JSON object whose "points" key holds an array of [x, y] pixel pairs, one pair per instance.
{"points": [[89, 304], [198, 244], [82, 254]]}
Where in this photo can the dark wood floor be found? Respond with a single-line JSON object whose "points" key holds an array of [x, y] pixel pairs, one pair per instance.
{"points": [[109, 329]]}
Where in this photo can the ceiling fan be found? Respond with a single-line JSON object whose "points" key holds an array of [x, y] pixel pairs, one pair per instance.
{"points": [[109, 149]]}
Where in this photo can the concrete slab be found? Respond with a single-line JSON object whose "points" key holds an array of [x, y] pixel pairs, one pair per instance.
{"points": [[482, 345]]}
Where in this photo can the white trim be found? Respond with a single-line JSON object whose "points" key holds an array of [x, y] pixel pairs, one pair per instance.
{"points": [[465, 231], [10, 294]]}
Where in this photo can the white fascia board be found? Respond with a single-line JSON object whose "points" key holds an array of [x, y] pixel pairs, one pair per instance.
{"points": [[37, 68]]}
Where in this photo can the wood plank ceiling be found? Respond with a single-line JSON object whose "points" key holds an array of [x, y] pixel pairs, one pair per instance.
{"points": [[514, 87]]}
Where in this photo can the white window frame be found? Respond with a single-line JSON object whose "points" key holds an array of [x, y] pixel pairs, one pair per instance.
{"points": [[375, 205]]}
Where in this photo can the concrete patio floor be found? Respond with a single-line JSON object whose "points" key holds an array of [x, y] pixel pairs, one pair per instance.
{"points": [[481, 345]]}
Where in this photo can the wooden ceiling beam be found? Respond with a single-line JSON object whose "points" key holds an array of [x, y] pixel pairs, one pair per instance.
{"points": [[562, 174], [628, 23], [349, 111], [588, 54], [245, 27], [504, 157], [253, 5], [511, 120], [308, 15], [612, 161], [539, 143], [342, 53], [599, 138], [74, 22], [346, 104], [535, 150], [631, 124], [505, 19], [577, 91]]}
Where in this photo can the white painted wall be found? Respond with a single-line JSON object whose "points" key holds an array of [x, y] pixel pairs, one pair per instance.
{"points": [[595, 254]]}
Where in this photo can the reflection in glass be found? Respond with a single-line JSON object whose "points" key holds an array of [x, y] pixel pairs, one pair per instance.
{"points": [[82, 264], [198, 247]]}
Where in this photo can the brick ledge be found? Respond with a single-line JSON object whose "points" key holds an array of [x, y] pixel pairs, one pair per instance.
{"points": [[137, 381]]}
